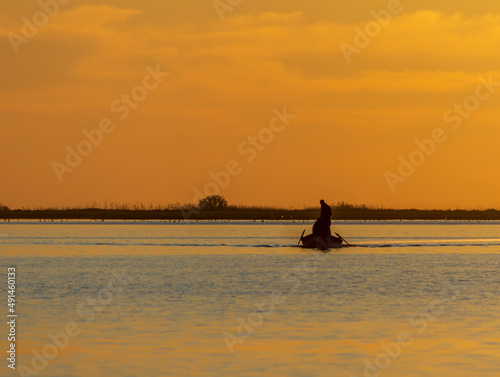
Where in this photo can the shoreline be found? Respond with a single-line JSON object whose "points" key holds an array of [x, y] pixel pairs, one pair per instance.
{"points": [[252, 215], [305, 223]]}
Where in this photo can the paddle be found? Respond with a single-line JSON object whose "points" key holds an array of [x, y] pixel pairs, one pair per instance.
{"points": [[342, 239], [301, 237]]}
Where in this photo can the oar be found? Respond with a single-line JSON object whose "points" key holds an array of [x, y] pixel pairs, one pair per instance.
{"points": [[342, 239], [301, 237]]}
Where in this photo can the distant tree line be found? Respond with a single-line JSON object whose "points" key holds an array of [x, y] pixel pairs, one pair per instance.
{"points": [[217, 207]]}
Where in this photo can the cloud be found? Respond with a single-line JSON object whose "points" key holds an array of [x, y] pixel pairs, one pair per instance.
{"points": [[226, 77]]}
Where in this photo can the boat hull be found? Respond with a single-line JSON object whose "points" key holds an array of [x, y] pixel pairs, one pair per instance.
{"points": [[313, 241]]}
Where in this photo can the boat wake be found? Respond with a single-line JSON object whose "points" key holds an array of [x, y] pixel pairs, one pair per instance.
{"points": [[430, 244], [245, 242]]}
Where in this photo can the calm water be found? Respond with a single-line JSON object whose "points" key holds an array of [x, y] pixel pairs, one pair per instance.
{"points": [[238, 299]]}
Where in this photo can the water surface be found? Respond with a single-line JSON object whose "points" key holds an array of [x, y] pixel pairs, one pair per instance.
{"points": [[197, 299]]}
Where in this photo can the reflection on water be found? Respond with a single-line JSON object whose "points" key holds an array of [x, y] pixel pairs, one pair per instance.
{"points": [[176, 299]]}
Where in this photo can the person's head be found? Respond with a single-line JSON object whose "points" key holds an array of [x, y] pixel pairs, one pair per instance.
{"points": [[321, 202]]}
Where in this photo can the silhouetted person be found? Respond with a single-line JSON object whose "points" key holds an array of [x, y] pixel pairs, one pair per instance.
{"points": [[326, 211], [322, 226]]}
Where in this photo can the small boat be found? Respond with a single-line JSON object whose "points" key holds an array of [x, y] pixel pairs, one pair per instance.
{"points": [[313, 241]]}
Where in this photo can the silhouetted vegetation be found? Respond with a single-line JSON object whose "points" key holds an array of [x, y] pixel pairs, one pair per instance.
{"points": [[213, 202], [218, 209]]}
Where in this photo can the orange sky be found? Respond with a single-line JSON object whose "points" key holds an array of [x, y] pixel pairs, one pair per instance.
{"points": [[227, 79]]}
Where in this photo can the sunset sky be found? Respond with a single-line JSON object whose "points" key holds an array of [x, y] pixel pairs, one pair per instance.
{"points": [[228, 78]]}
